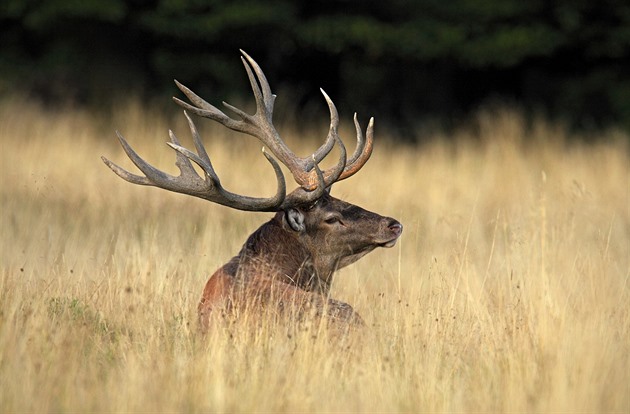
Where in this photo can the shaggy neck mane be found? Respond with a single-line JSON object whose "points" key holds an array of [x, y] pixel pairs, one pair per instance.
{"points": [[275, 252]]}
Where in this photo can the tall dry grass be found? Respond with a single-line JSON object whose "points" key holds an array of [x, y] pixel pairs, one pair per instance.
{"points": [[507, 292]]}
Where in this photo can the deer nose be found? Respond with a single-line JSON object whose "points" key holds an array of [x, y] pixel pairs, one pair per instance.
{"points": [[396, 228]]}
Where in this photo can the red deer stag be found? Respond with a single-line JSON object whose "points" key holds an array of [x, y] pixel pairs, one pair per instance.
{"points": [[289, 262]]}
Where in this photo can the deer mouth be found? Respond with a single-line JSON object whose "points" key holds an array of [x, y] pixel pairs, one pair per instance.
{"points": [[389, 244]]}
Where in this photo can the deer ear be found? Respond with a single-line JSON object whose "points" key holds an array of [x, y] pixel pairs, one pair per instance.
{"points": [[329, 189], [295, 219]]}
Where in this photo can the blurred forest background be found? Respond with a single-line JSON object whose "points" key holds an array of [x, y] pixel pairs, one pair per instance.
{"points": [[408, 63]]}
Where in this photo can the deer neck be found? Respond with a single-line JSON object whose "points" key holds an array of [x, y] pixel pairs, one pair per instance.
{"points": [[273, 251]]}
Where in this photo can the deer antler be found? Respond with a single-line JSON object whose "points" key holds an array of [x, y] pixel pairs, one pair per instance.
{"points": [[260, 126], [313, 182], [189, 182]]}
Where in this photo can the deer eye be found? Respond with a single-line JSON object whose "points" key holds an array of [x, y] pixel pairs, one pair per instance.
{"points": [[333, 219]]}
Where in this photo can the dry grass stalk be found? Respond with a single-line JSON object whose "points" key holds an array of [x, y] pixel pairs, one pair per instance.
{"points": [[509, 291]]}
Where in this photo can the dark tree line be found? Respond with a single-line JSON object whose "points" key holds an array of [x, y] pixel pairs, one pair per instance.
{"points": [[402, 60]]}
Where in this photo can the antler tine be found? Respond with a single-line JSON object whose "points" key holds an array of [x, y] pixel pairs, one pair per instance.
{"points": [[267, 99], [126, 175], [206, 110], [362, 152], [360, 141], [121, 172], [201, 150], [151, 173], [184, 156], [184, 165], [325, 149], [333, 174], [328, 145]]}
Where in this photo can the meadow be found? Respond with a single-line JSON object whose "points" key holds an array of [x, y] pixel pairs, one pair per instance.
{"points": [[508, 290]]}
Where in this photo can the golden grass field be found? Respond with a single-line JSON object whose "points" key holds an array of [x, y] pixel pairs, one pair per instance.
{"points": [[508, 291]]}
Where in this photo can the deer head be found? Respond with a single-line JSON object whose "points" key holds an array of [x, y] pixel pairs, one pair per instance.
{"points": [[336, 233]]}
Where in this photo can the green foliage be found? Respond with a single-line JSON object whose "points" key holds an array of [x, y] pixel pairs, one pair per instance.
{"points": [[440, 58], [44, 15]]}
